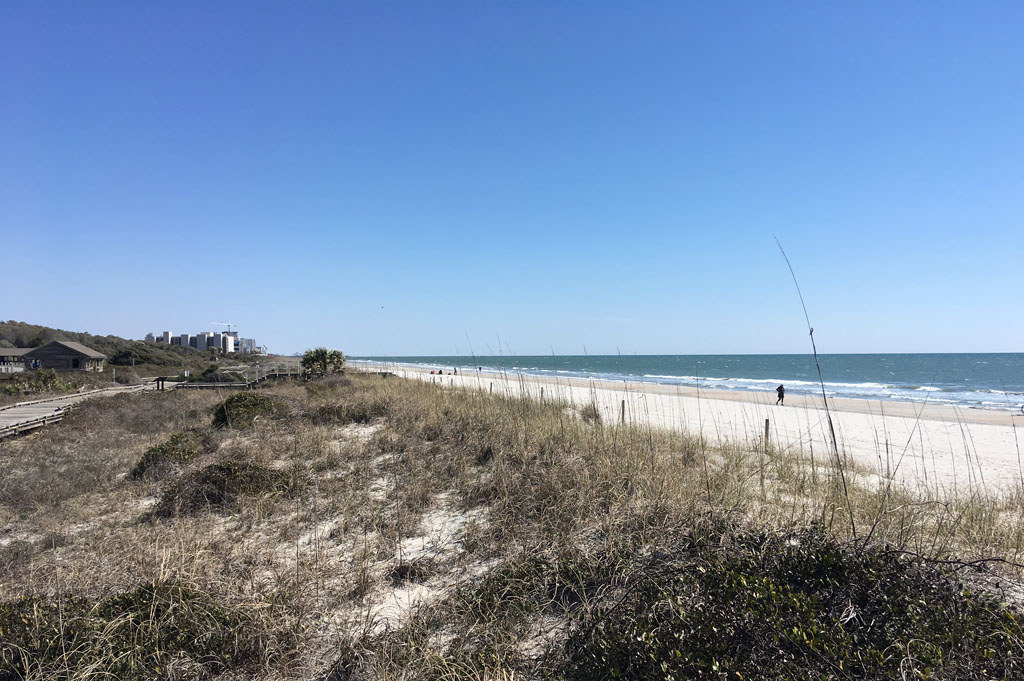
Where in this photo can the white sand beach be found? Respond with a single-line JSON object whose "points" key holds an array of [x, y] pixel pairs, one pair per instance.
{"points": [[936, 446]]}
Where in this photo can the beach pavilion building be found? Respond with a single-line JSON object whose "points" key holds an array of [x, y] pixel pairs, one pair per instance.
{"points": [[64, 356], [12, 360]]}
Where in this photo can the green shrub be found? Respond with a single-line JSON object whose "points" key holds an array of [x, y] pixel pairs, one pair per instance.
{"points": [[38, 381], [243, 408], [180, 448], [221, 485], [778, 606], [133, 635], [590, 413], [321, 362]]}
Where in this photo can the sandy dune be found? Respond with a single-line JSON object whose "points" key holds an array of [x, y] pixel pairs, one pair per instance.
{"points": [[923, 444]]}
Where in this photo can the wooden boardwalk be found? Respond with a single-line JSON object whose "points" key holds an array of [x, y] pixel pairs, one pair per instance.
{"points": [[25, 416]]}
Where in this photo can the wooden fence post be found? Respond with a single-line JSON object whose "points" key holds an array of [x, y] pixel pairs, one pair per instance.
{"points": [[764, 453], [622, 415]]}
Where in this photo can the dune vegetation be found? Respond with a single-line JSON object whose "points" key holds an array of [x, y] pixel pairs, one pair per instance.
{"points": [[369, 527]]}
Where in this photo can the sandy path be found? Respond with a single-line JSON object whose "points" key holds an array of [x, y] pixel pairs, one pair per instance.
{"points": [[930, 445]]}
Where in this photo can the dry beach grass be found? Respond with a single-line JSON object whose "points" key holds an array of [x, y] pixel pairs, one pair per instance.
{"points": [[374, 527]]}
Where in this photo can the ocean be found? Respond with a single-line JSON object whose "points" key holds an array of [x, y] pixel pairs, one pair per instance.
{"points": [[975, 380]]}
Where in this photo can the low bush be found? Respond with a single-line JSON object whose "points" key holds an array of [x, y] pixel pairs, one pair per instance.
{"points": [[144, 633], [36, 382], [590, 414], [705, 599], [178, 449], [243, 408], [221, 485], [791, 605]]}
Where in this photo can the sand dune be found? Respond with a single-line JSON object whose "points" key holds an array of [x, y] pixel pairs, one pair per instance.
{"points": [[937, 446]]}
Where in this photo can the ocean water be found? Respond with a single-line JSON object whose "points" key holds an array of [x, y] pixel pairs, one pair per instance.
{"points": [[976, 380]]}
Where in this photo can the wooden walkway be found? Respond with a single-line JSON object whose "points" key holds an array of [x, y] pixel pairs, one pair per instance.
{"points": [[249, 381], [25, 416]]}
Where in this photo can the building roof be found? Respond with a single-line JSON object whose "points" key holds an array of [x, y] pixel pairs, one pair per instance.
{"points": [[14, 352], [74, 347]]}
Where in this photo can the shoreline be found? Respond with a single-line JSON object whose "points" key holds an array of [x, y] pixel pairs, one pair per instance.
{"points": [[916, 444], [967, 381], [927, 410]]}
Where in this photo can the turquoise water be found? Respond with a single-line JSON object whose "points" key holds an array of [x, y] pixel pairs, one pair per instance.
{"points": [[979, 380]]}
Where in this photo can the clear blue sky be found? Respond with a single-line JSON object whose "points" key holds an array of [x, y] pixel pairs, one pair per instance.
{"points": [[416, 178]]}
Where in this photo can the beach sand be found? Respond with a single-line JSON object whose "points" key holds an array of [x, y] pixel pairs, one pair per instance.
{"points": [[939, 447]]}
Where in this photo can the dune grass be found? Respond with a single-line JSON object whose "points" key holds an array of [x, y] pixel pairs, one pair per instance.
{"points": [[374, 527]]}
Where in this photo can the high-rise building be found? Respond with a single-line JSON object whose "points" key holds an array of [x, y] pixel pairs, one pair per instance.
{"points": [[226, 342]]}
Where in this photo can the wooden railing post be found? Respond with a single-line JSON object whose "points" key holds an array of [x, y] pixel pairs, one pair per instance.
{"points": [[764, 454]]}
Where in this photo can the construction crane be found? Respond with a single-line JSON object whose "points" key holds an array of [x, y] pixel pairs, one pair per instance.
{"points": [[227, 324]]}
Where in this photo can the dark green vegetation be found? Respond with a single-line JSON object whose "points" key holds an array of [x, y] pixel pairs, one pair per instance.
{"points": [[35, 382], [180, 448], [702, 599], [145, 633], [783, 606], [41, 383], [242, 409], [220, 485], [321, 361], [590, 414], [543, 543], [119, 351]]}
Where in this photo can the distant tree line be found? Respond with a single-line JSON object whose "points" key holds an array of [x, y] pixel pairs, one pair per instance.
{"points": [[120, 351]]}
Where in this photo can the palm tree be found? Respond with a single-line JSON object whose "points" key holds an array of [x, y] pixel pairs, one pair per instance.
{"points": [[321, 361]]}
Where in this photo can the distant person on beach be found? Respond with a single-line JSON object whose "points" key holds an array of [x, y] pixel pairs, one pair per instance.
{"points": [[781, 390], [455, 370]]}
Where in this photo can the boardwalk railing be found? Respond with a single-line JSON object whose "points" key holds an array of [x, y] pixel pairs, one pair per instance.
{"points": [[58, 413], [60, 397], [25, 426], [258, 377]]}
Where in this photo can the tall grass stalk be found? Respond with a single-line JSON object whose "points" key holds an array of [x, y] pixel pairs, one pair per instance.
{"points": [[824, 398]]}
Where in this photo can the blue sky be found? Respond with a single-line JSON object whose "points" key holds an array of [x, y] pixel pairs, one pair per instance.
{"points": [[417, 178]]}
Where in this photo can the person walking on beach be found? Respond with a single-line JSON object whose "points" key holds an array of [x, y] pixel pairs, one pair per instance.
{"points": [[781, 390]]}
